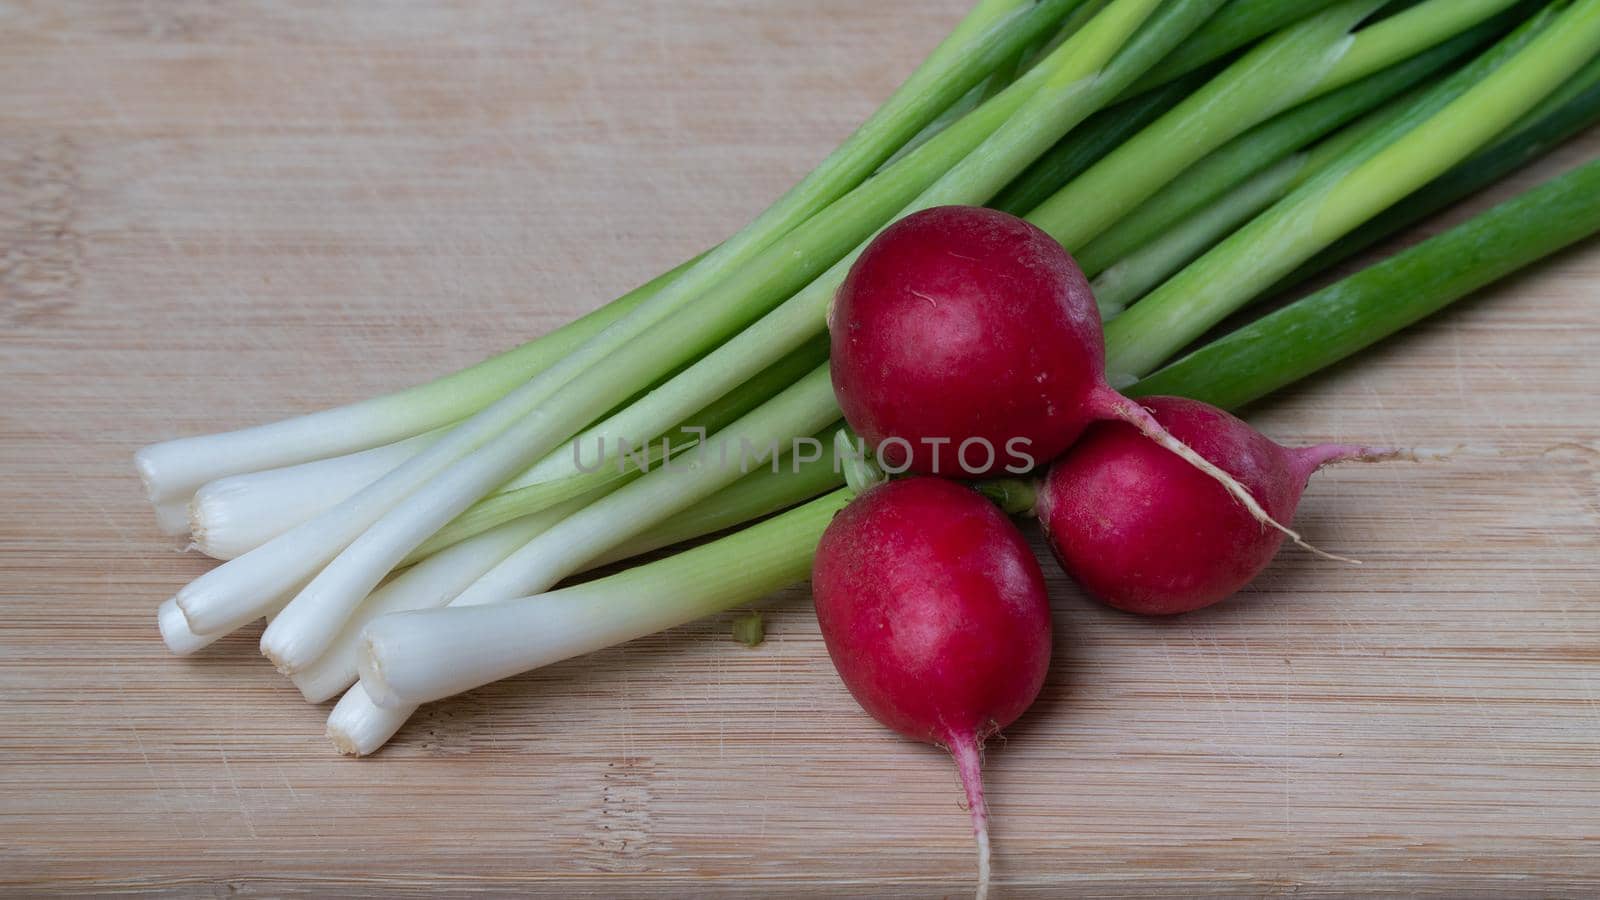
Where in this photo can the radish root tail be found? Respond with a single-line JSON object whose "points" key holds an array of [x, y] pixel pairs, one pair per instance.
{"points": [[969, 764], [1313, 458], [1122, 409]]}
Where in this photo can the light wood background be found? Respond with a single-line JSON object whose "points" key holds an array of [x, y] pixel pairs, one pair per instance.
{"points": [[218, 213]]}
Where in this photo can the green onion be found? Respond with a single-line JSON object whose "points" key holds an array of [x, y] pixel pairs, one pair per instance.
{"points": [[761, 493], [1234, 26], [236, 514], [1084, 146], [356, 542], [1376, 173], [735, 570], [1346, 317], [1312, 58], [444, 575], [535, 490], [1564, 114], [1136, 274], [721, 460], [1266, 144], [425, 585], [1575, 106]]}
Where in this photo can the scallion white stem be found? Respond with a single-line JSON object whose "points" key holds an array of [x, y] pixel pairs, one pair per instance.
{"points": [[433, 582], [432, 662], [234, 515], [181, 640], [442, 577]]}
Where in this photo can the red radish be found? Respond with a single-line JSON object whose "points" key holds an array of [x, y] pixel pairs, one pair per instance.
{"points": [[962, 327], [1145, 532], [935, 614]]}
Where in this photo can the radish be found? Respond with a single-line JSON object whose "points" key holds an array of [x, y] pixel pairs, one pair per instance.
{"points": [[966, 341], [934, 611], [1145, 532]]}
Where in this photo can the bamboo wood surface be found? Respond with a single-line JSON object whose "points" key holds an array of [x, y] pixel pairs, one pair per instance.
{"points": [[217, 213]]}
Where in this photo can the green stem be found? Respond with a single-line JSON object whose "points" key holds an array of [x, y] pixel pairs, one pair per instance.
{"points": [[1001, 78], [761, 493], [1396, 37], [417, 656], [761, 438], [1016, 496], [1088, 144], [608, 464], [1574, 109], [1293, 66], [1235, 25], [748, 629], [1378, 172], [1355, 313], [1265, 145], [1131, 278]]}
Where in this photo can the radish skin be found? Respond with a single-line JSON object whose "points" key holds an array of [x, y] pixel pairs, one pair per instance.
{"points": [[1144, 532], [935, 614], [965, 326]]}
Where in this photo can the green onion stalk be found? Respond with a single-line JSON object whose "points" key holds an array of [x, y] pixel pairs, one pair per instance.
{"points": [[1088, 144], [1270, 143], [236, 514], [1564, 114], [1345, 318], [738, 569], [421, 656], [172, 471], [1239, 23], [444, 575], [378, 526], [1176, 76], [1303, 62], [1377, 172], [1569, 110]]}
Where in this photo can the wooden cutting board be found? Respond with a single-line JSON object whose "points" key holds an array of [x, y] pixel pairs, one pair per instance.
{"points": [[215, 213]]}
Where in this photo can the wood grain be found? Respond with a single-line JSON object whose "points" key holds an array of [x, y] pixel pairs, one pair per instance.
{"points": [[218, 213]]}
